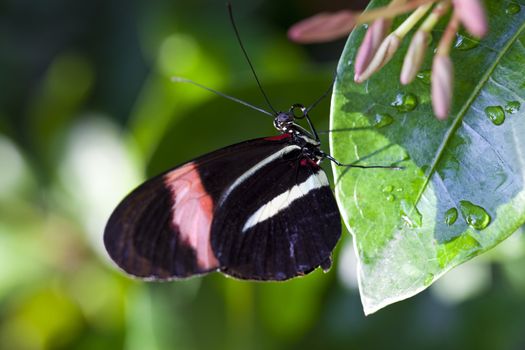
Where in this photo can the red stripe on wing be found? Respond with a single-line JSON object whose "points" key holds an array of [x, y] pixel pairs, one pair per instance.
{"points": [[278, 137], [192, 212]]}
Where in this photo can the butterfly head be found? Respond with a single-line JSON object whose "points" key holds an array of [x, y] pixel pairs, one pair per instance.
{"points": [[284, 121]]}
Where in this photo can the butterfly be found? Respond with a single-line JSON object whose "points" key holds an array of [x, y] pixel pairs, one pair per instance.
{"points": [[260, 210]]}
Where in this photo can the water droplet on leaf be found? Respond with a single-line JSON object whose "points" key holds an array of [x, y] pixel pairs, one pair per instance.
{"points": [[388, 189], [424, 76], [405, 102], [475, 216], [451, 216], [496, 114], [513, 107], [390, 198], [465, 42], [382, 120], [512, 8]]}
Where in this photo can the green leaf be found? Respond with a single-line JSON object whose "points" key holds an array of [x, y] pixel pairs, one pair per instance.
{"points": [[462, 189]]}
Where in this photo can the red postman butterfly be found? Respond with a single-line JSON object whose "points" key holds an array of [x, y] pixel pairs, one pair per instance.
{"points": [[261, 209]]}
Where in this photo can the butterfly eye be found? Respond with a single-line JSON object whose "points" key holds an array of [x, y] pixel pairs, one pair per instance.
{"points": [[285, 118]]}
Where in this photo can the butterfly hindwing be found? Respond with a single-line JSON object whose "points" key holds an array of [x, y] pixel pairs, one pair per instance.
{"points": [[280, 222]]}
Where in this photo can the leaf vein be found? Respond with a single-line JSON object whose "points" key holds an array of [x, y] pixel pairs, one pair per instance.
{"points": [[504, 164], [503, 87]]}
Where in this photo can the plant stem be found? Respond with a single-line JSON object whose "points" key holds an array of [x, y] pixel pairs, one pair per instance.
{"points": [[412, 20], [435, 15], [448, 36], [391, 11]]}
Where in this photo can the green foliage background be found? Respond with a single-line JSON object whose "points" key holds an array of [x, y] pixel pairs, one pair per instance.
{"points": [[87, 112]]}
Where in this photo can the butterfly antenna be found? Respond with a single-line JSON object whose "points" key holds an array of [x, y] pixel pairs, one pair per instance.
{"points": [[232, 20], [323, 96], [231, 98], [321, 132], [305, 115]]}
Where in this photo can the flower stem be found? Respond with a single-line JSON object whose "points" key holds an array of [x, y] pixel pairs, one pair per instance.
{"points": [[432, 19], [412, 20], [396, 9], [448, 36]]}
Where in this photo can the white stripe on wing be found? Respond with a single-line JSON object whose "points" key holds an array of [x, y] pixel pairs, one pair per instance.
{"points": [[282, 201], [254, 169]]}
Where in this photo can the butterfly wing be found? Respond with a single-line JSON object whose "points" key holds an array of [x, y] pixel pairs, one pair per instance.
{"points": [[161, 230], [280, 222]]}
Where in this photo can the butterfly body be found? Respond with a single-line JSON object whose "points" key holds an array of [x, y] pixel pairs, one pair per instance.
{"points": [[260, 210]]}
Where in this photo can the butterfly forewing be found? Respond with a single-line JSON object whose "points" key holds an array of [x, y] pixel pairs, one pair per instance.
{"points": [[156, 232]]}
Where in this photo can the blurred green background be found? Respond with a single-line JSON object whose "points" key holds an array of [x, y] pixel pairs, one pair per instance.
{"points": [[87, 111]]}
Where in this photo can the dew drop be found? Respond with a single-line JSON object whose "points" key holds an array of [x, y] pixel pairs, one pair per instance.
{"points": [[388, 189], [512, 107], [405, 102], [512, 8], [496, 114], [399, 189], [382, 120], [424, 76], [451, 216], [475, 216], [464, 42], [390, 198], [429, 278], [411, 215]]}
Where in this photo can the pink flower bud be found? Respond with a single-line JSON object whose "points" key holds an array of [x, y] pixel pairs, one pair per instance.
{"points": [[384, 53], [472, 15], [414, 57], [323, 27], [373, 38], [442, 81]]}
